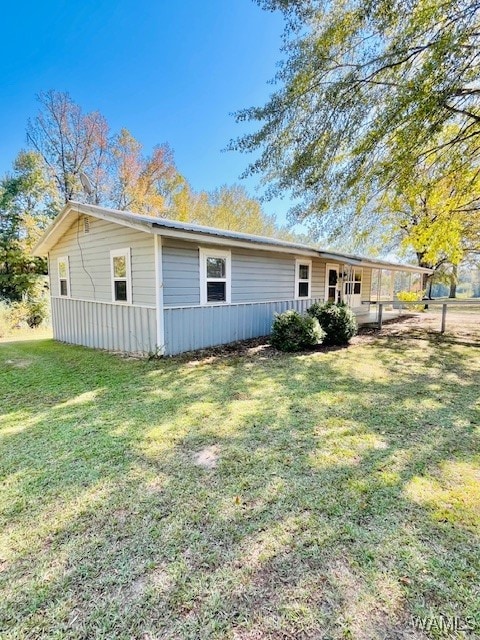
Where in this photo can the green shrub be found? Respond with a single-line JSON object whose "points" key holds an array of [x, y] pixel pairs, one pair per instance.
{"points": [[336, 319], [294, 332], [31, 311], [28, 312]]}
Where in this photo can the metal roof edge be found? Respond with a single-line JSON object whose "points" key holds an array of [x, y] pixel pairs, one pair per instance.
{"points": [[187, 230]]}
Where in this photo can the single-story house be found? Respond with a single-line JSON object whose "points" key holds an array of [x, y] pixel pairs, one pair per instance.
{"points": [[141, 284]]}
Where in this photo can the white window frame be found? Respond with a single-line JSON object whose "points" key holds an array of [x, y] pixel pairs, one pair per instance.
{"points": [[298, 263], [122, 253], [215, 253], [60, 260], [350, 280]]}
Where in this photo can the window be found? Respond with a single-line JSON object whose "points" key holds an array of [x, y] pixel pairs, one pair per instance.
{"points": [[121, 275], [63, 277], [215, 276], [303, 278], [353, 282]]}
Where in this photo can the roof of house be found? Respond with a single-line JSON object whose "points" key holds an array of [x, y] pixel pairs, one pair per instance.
{"points": [[196, 232]]}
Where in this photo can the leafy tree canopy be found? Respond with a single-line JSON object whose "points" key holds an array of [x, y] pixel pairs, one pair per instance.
{"points": [[65, 143], [368, 90], [28, 201]]}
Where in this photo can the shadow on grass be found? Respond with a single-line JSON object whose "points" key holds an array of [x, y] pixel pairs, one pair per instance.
{"points": [[340, 505]]}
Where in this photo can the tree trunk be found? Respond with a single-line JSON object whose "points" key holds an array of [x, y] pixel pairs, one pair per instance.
{"points": [[428, 292], [427, 286], [453, 282]]}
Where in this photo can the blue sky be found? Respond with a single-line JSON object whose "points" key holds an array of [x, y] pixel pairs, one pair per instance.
{"points": [[167, 71]]}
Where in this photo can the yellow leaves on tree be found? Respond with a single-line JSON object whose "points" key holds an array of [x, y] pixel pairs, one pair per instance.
{"points": [[141, 182], [436, 212]]}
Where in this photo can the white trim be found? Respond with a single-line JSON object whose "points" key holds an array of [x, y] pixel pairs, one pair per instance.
{"points": [[307, 263], [65, 260], [122, 253], [119, 304], [369, 264], [236, 304], [61, 224], [157, 247], [203, 254]]}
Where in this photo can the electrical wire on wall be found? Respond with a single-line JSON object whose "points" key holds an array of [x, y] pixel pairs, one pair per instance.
{"points": [[80, 249]]}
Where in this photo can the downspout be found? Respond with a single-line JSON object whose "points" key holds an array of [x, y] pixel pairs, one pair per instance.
{"points": [[159, 307]]}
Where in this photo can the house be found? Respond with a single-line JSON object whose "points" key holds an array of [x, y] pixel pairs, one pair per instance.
{"points": [[139, 284]]}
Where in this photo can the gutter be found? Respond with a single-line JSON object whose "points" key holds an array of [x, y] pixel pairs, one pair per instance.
{"points": [[357, 261]]}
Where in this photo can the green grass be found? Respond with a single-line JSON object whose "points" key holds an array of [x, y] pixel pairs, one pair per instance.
{"points": [[344, 499]]}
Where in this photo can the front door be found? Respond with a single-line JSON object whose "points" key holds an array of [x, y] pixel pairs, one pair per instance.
{"points": [[332, 289]]}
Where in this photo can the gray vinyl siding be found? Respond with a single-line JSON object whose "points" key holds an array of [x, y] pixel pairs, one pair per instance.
{"points": [[116, 327], [181, 276], [257, 276], [318, 278], [89, 261]]}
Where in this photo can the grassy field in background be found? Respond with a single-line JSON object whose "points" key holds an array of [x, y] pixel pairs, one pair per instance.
{"points": [[324, 495]]}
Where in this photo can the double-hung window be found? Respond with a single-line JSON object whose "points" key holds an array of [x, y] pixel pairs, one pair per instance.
{"points": [[63, 277], [303, 278], [353, 282], [215, 276], [121, 275]]}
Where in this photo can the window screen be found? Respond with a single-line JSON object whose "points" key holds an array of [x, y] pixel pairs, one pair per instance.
{"points": [[216, 292]]}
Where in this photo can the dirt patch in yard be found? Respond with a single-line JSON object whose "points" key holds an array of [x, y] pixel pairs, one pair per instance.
{"points": [[462, 327], [207, 457], [19, 364]]}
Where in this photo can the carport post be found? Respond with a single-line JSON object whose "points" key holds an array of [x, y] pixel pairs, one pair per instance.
{"points": [[380, 315], [444, 318]]}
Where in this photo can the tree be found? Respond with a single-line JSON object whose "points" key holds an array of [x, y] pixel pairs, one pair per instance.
{"points": [[71, 142], [232, 208], [141, 184], [357, 76], [28, 202], [228, 207], [68, 142], [432, 213]]}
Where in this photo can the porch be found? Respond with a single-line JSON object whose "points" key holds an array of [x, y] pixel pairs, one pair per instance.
{"points": [[371, 290], [371, 316], [393, 309]]}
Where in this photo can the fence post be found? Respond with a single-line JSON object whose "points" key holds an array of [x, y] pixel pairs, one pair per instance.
{"points": [[444, 318], [380, 316]]}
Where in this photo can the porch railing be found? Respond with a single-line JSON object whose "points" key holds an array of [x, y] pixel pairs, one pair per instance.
{"points": [[406, 304]]}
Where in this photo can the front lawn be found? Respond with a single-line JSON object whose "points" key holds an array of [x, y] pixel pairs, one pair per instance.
{"points": [[328, 495]]}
